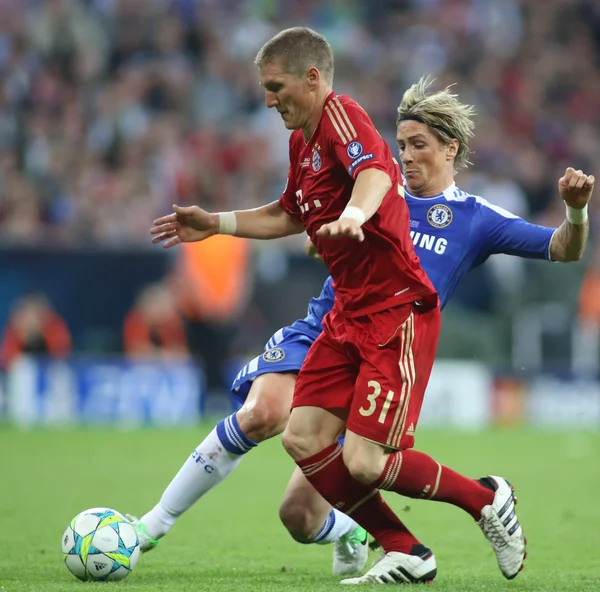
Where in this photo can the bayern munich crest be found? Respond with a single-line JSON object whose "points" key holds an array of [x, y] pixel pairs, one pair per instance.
{"points": [[275, 354], [317, 161], [439, 216]]}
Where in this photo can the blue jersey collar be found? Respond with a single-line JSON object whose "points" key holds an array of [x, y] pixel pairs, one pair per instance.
{"points": [[448, 193]]}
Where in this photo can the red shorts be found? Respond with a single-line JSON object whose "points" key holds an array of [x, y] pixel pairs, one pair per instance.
{"points": [[377, 367]]}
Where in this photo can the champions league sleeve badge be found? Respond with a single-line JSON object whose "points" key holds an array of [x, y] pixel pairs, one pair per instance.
{"points": [[354, 149]]}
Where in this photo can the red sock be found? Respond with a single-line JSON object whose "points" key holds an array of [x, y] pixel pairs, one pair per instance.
{"points": [[330, 477], [414, 474]]}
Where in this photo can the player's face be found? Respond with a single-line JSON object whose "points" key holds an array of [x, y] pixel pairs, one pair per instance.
{"points": [[287, 93], [425, 163]]}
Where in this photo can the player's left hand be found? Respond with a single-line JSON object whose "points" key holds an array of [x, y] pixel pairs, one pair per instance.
{"points": [[576, 188], [342, 228]]}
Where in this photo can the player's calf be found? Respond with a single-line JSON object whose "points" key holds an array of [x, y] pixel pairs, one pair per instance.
{"points": [[301, 521], [304, 512], [350, 551], [310, 519]]}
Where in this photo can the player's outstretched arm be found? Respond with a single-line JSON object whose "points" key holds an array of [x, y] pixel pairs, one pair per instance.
{"points": [[569, 241], [370, 188], [193, 224]]}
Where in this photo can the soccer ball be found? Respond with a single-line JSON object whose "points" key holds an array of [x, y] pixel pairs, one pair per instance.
{"points": [[100, 545]]}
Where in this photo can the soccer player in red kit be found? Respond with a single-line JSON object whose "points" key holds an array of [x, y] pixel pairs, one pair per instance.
{"points": [[368, 370]]}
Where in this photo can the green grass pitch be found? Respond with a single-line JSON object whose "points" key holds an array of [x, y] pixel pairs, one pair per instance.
{"points": [[232, 540]]}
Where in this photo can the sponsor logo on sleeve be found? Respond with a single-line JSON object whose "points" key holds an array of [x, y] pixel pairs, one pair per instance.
{"points": [[359, 161]]}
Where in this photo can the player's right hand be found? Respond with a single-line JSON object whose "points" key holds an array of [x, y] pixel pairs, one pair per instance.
{"points": [[342, 228], [185, 225]]}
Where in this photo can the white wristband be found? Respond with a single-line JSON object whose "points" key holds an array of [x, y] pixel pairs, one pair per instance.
{"points": [[576, 215], [227, 223], [355, 214]]}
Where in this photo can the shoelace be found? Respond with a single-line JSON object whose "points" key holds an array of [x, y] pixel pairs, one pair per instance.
{"points": [[386, 571], [133, 520], [376, 561], [496, 532], [351, 541]]}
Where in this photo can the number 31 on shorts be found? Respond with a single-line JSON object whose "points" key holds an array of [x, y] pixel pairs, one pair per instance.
{"points": [[372, 399]]}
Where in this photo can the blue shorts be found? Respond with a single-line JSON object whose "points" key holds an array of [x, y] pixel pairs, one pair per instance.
{"points": [[284, 352]]}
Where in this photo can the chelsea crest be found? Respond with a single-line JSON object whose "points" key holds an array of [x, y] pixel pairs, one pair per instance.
{"points": [[439, 216], [275, 354]]}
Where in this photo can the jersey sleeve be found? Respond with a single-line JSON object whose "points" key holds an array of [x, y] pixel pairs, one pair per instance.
{"points": [[504, 232], [355, 139], [288, 198]]}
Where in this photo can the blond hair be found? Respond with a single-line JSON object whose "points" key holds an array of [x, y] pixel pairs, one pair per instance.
{"points": [[298, 48], [441, 111]]}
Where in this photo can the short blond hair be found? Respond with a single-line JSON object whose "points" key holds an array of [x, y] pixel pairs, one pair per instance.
{"points": [[441, 111], [298, 48]]}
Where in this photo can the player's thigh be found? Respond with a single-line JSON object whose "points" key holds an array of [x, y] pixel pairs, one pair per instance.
{"points": [[327, 376], [322, 397], [394, 373], [303, 511], [284, 353], [264, 386]]}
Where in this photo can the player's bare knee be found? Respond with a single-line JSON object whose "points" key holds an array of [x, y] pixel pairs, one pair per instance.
{"points": [[361, 466], [299, 444], [263, 419], [294, 444], [267, 408]]}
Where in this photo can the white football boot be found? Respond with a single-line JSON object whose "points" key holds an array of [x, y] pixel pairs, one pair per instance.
{"points": [[501, 527], [350, 553], [418, 567], [147, 543]]}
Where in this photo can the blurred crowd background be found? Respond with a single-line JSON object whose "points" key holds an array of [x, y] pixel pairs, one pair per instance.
{"points": [[112, 110]]}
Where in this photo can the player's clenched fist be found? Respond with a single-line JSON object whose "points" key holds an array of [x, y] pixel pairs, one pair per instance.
{"points": [[184, 225], [576, 188], [342, 228]]}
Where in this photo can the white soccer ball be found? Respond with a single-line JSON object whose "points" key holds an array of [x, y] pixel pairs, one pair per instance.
{"points": [[101, 545]]}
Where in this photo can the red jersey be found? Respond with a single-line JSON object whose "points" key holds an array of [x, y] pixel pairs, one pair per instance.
{"points": [[383, 270]]}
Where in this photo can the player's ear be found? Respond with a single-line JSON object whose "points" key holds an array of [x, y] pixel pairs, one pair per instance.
{"points": [[452, 149], [313, 76]]}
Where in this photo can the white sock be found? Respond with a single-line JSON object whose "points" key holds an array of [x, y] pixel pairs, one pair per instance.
{"points": [[210, 463], [335, 526]]}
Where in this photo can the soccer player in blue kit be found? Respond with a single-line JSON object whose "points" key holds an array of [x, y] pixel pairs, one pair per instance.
{"points": [[452, 232]]}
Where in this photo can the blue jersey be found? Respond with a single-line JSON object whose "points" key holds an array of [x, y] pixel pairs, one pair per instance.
{"points": [[320, 306], [452, 233]]}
